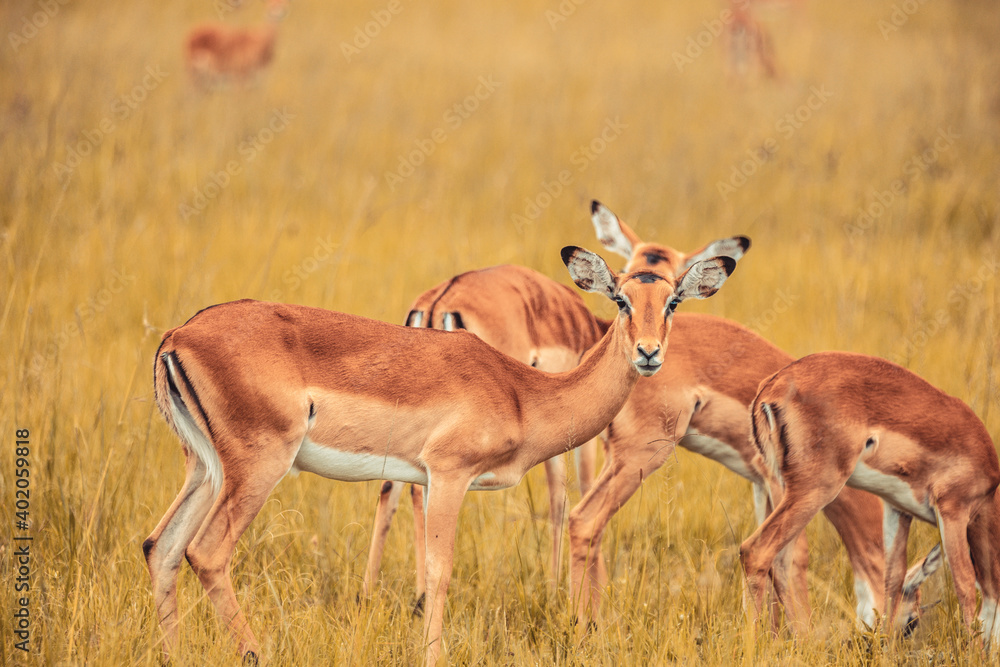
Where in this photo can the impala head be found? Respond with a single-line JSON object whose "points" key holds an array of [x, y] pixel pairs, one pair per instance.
{"points": [[910, 609], [618, 237], [646, 300]]}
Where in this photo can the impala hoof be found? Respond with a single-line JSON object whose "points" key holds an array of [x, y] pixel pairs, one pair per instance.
{"points": [[250, 659]]}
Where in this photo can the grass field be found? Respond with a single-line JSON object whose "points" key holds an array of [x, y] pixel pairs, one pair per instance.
{"points": [[867, 176]]}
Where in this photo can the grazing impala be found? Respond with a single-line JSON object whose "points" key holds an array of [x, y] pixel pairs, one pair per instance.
{"points": [[699, 400], [217, 53], [835, 418], [257, 389], [537, 321]]}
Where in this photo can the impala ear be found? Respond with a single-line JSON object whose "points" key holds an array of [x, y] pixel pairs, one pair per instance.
{"points": [[704, 278], [917, 574], [734, 247], [613, 234], [589, 271]]}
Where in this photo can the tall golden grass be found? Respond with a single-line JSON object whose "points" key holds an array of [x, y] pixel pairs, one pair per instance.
{"points": [[100, 257]]}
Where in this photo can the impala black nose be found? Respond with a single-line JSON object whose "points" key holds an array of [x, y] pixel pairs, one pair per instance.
{"points": [[649, 355]]}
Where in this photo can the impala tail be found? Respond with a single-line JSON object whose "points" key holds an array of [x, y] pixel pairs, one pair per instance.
{"points": [[183, 411], [768, 434]]}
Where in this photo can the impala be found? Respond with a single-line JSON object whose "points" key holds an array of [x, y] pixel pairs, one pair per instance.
{"points": [[699, 400], [257, 389], [217, 53], [836, 418], [529, 317], [539, 322]]}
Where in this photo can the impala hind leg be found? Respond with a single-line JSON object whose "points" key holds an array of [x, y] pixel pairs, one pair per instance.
{"points": [[388, 502], [896, 532], [164, 548], [791, 567], [444, 499], [555, 474], [244, 491], [778, 531]]}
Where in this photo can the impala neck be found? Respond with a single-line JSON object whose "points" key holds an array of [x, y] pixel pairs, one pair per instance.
{"points": [[573, 407]]}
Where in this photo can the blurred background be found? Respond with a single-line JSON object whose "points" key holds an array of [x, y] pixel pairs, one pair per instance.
{"points": [[391, 145]]}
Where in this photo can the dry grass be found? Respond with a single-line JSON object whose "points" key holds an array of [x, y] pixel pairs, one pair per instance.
{"points": [[98, 262]]}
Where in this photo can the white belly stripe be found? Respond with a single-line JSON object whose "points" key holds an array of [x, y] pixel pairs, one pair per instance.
{"points": [[353, 467], [716, 450], [893, 490]]}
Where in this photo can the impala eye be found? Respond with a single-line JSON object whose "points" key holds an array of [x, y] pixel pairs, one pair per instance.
{"points": [[622, 305], [672, 306]]}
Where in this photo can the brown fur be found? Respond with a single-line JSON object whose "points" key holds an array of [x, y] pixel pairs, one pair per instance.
{"points": [[836, 411], [271, 377], [529, 317], [711, 374], [217, 53]]}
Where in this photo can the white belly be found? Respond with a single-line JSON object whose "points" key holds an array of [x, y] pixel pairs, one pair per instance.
{"points": [[490, 481], [893, 490], [717, 451], [353, 467]]}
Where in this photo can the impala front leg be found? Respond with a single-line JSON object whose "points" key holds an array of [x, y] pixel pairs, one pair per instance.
{"points": [[555, 473], [614, 486], [444, 499], [586, 465], [953, 522], [632, 455], [419, 547]]}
